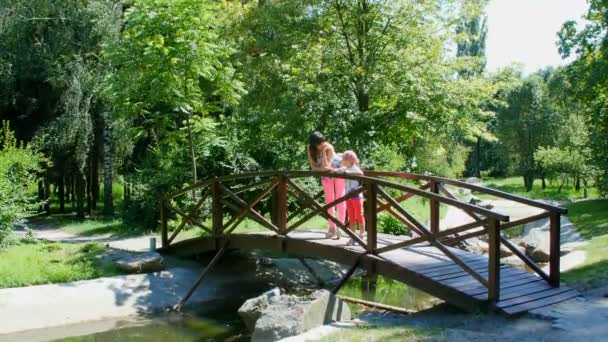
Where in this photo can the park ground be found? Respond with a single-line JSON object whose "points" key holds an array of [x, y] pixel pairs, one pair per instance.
{"points": [[61, 249]]}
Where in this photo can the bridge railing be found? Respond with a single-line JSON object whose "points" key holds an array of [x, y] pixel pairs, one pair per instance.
{"points": [[231, 199]]}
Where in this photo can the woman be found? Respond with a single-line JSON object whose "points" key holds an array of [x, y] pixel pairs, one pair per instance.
{"points": [[322, 157]]}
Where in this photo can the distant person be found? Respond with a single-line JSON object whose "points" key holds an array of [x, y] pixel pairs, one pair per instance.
{"points": [[354, 204], [322, 157]]}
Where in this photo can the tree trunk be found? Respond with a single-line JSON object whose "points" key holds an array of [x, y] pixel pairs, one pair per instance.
{"points": [[80, 195], [529, 180], [94, 178], [89, 197], [577, 184], [478, 158], [73, 189], [40, 195], [47, 195], [108, 200], [61, 194], [544, 184]]}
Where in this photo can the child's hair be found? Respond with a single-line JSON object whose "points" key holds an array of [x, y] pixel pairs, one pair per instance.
{"points": [[352, 156]]}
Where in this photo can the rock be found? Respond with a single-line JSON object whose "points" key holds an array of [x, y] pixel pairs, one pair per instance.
{"points": [[140, 262], [252, 309], [473, 180], [514, 261], [479, 246], [474, 200], [290, 315], [486, 205], [536, 244]]}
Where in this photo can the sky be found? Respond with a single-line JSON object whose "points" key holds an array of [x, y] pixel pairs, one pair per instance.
{"points": [[525, 31]]}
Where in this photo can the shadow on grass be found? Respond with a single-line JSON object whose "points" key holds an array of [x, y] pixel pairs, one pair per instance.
{"points": [[592, 275], [589, 217]]}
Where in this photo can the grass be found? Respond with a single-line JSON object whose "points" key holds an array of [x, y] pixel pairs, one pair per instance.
{"points": [[515, 185], [373, 333], [43, 263], [591, 220]]}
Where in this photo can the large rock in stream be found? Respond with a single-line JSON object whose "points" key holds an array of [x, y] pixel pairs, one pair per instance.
{"points": [[282, 316]]}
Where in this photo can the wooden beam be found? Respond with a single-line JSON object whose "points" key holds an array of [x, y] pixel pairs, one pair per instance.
{"points": [[211, 264], [371, 216], [251, 212], [525, 258], [346, 276], [402, 198], [519, 222], [554, 252], [434, 208], [494, 261], [237, 219], [401, 244]]}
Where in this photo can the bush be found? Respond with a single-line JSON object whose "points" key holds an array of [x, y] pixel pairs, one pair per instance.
{"points": [[19, 165], [390, 225]]}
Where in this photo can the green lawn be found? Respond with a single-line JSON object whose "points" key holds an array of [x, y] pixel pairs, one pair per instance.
{"points": [[43, 263], [515, 185], [373, 333], [591, 220]]}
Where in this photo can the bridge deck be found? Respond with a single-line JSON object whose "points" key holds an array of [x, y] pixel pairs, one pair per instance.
{"points": [[422, 266]]}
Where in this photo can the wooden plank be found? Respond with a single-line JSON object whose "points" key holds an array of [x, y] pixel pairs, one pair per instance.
{"points": [[466, 280], [541, 302], [508, 292], [449, 271], [531, 297], [525, 290], [401, 245], [514, 280]]}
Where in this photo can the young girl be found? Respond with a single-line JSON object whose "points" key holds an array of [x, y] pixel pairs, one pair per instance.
{"points": [[322, 157], [354, 203]]}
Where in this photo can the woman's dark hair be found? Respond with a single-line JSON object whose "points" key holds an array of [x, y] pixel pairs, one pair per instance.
{"points": [[315, 139]]}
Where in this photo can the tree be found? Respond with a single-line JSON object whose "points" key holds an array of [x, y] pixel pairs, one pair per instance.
{"points": [[589, 76], [527, 123], [171, 67], [369, 74]]}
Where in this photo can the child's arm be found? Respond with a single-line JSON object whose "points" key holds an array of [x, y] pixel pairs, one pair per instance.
{"points": [[354, 171]]}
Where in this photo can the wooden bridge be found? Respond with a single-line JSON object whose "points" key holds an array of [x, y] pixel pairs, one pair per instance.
{"points": [[427, 260]]}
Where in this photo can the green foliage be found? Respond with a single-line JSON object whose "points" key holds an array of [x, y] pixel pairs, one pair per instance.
{"points": [[588, 80], [390, 225], [19, 165], [43, 263]]}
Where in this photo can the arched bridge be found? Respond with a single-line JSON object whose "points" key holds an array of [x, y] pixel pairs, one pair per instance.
{"points": [[280, 203]]}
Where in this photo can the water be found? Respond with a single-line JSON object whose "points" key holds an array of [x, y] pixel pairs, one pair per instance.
{"points": [[218, 320], [387, 291], [171, 327]]}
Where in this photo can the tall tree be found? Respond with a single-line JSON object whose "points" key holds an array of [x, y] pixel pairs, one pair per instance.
{"points": [[589, 74]]}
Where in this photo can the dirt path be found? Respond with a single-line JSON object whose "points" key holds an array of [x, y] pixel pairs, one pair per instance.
{"points": [[52, 232]]}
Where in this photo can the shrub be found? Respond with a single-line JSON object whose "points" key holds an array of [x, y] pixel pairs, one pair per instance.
{"points": [[390, 225], [19, 165]]}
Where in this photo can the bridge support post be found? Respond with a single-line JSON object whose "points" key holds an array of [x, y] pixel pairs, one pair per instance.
{"points": [[164, 233], [494, 261], [217, 210], [434, 210], [554, 252], [371, 216], [282, 205]]}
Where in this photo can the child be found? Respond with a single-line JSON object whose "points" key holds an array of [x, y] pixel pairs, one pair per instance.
{"points": [[354, 203]]}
